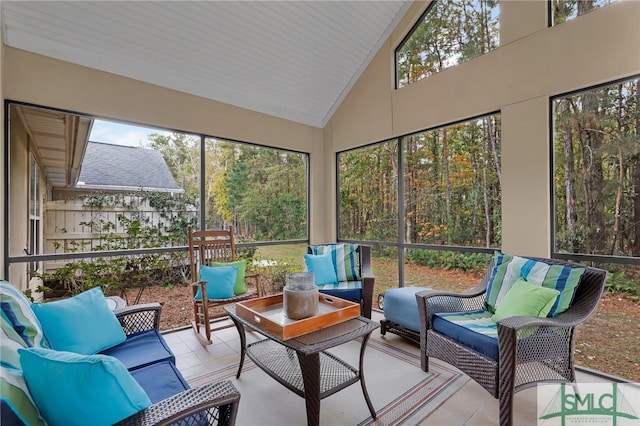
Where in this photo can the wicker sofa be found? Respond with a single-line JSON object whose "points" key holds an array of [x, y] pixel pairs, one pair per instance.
{"points": [[524, 349], [144, 371]]}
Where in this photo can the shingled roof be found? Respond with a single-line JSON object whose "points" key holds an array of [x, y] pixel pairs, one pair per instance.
{"points": [[117, 167]]}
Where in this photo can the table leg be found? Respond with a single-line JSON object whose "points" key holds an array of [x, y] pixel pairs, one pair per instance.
{"points": [[365, 339], [243, 343], [310, 366]]}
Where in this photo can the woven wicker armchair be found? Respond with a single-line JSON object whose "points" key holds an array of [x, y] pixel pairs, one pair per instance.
{"points": [[211, 404], [530, 350]]}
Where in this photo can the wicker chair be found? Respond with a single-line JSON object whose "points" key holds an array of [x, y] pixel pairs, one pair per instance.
{"points": [[364, 295], [210, 404], [205, 248], [530, 350]]}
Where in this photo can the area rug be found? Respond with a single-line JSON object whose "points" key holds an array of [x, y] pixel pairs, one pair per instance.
{"points": [[401, 393]]}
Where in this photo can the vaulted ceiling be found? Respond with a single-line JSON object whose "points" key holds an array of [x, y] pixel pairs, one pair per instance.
{"points": [[291, 59]]}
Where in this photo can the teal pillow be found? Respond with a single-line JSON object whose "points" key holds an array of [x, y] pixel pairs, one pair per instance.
{"points": [[16, 399], [527, 300], [322, 267], [345, 260], [83, 324], [72, 389], [240, 286], [221, 281]]}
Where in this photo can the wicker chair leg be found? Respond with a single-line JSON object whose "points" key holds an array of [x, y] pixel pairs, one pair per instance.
{"points": [[367, 299], [506, 373], [506, 408]]}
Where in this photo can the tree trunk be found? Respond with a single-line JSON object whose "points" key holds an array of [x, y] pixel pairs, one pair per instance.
{"points": [[569, 179], [447, 185], [494, 149], [636, 182], [592, 142]]}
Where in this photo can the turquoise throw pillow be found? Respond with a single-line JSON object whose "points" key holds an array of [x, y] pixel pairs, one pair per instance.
{"points": [[72, 389], [346, 260], [83, 324], [527, 300], [321, 266], [221, 281], [240, 286]]}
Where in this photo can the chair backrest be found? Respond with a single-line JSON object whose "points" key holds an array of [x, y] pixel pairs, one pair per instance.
{"points": [[587, 293], [208, 246], [351, 260]]}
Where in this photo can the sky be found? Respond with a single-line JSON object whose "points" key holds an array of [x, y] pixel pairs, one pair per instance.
{"points": [[121, 134]]}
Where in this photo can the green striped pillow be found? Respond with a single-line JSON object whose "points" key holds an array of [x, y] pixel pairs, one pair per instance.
{"points": [[508, 269], [19, 327], [345, 260], [15, 399], [501, 262]]}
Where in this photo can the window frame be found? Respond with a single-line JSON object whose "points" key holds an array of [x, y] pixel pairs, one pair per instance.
{"points": [[28, 259], [576, 257]]}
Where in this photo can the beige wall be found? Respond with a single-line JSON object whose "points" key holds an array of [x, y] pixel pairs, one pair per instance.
{"points": [[533, 63]]}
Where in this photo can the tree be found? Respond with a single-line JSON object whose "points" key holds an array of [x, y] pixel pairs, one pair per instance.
{"points": [[182, 154]]}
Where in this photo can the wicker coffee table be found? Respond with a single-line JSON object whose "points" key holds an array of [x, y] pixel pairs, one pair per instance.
{"points": [[309, 376]]}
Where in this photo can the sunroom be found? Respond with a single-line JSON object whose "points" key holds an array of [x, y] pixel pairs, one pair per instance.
{"points": [[359, 121]]}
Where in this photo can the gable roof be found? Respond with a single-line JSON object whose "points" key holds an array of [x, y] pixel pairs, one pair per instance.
{"points": [[125, 168], [291, 59]]}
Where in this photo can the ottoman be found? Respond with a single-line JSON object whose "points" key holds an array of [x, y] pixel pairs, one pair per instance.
{"points": [[401, 313]]}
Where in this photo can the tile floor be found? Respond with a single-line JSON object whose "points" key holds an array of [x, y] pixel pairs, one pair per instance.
{"points": [[470, 406]]}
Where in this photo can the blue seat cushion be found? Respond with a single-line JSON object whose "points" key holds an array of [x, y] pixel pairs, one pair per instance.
{"points": [[348, 290], [401, 307], [142, 349], [160, 380], [474, 329]]}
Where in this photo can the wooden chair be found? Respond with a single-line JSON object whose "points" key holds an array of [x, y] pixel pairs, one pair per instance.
{"points": [[206, 248]]}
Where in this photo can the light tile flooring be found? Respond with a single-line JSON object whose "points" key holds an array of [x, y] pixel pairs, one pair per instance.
{"points": [[471, 405]]}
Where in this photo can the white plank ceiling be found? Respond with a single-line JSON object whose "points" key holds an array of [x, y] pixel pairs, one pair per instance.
{"points": [[291, 59]]}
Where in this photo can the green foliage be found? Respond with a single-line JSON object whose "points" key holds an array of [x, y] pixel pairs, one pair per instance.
{"points": [[116, 274], [181, 152], [451, 187], [619, 282], [178, 211], [449, 259], [564, 10], [131, 230], [451, 32], [276, 271], [597, 170]]}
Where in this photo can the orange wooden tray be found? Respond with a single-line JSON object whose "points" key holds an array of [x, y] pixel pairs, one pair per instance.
{"points": [[267, 313]]}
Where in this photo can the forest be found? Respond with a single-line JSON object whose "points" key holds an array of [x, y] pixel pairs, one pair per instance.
{"points": [[597, 170], [451, 181], [261, 191]]}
